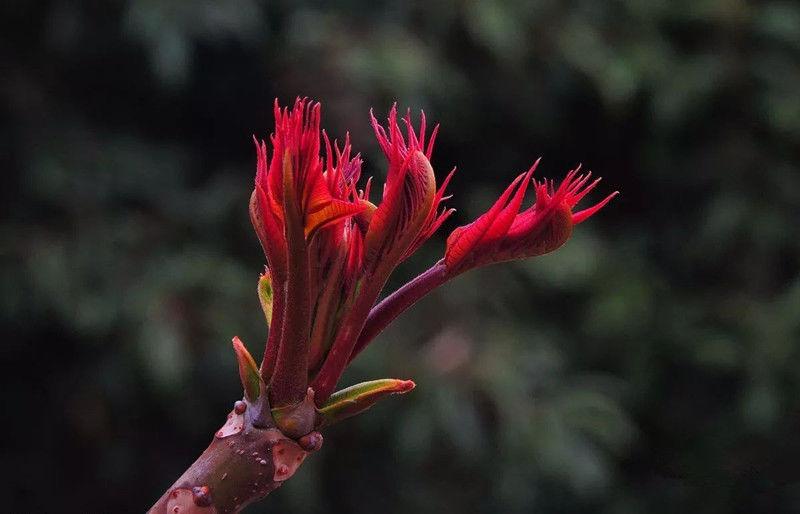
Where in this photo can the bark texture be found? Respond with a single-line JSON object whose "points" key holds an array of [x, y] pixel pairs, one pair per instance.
{"points": [[243, 464]]}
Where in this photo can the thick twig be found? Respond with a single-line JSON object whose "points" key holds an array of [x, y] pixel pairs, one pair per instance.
{"points": [[243, 464]]}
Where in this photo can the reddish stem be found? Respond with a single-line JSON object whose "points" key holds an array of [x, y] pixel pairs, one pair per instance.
{"points": [[338, 356], [393, 305], [231, 473], [290, 378], [275, 330]]}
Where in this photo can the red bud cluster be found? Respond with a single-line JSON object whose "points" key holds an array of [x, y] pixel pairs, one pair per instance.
{"points": [[330, 251]]}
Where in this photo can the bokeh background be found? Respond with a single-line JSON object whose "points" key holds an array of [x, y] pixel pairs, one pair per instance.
{"points": [[651, 365]]}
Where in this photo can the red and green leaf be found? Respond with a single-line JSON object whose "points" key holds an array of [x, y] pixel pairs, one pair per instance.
{"points": [[358, 398], [248, 371]]}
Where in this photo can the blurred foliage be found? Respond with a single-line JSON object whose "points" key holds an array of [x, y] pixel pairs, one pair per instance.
{"points": [[650, 365]]}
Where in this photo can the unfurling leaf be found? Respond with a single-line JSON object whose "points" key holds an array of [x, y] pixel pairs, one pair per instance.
{"points": [[265, 295], [248, 371], [360, 397]]}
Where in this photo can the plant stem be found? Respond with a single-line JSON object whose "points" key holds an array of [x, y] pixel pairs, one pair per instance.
{"points": [[393, 305], [243, 464]]}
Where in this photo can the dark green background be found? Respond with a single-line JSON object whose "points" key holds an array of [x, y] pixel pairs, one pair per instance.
{"points": [[651, 365]]}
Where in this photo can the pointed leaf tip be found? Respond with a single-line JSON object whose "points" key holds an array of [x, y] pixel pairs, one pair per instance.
{"points": [[248, 370], [265, 295], [360, 397]]}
